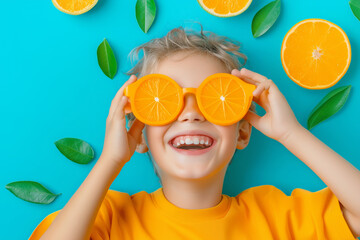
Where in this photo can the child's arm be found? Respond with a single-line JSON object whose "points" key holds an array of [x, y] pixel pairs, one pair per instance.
{"points": [[76, 219], [280, 123], [338, 174]]}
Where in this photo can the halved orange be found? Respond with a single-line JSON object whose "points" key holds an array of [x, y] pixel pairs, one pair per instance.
{"points": [[315, 53], [157, 99], [225, 8], [74, 7]]}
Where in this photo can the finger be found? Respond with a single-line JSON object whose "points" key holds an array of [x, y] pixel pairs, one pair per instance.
{"points": [[238, 74], [259, 89], [262, 102], [272, 87], [262, 83], [253, 75], [260, 96], [252, 118], [246, 73], [120, 93], [136, 129], [119, 112]]}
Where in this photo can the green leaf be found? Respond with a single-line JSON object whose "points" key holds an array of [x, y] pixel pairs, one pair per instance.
{"points": [[355, 8], [75, 149], [328, 106], [145, 13], [106, 59], [265, 18], [31, 192]]}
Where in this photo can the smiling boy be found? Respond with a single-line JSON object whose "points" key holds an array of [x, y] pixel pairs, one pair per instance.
{"points": [[190, 203]]}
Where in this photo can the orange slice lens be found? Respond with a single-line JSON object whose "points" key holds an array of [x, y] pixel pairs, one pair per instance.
{"points": [[224, 99], [156, 99]]}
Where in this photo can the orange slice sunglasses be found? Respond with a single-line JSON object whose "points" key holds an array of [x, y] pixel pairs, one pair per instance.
{"points": [[156, 99]]}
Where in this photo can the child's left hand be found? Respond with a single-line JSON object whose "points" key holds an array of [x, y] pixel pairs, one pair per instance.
{"points": [[279, 120]]}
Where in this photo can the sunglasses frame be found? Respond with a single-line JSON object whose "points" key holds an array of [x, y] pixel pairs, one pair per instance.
{"points": [[130, 91]]}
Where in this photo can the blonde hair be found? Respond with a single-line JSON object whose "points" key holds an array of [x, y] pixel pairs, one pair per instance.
{"points": [[223, 48]]}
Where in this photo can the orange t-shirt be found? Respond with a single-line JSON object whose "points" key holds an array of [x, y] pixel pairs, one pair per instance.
{"points": [[262, 212]]}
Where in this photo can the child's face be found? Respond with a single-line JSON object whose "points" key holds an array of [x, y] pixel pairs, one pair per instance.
{"points": [[189, 70]]}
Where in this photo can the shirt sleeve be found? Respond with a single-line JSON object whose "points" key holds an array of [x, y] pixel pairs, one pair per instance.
{"points": [[101, 227], [302, 215]]}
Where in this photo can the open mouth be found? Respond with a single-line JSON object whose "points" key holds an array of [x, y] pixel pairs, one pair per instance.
{"points": [[192, 144], [192, 147]]}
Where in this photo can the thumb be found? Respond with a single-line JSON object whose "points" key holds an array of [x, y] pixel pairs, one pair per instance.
{"points": [[252, 118]]}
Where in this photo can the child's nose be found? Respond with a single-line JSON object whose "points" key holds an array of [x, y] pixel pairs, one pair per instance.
{"points": [[191, 111]]}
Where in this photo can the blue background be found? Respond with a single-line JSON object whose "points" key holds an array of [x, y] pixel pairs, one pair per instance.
{"points": [[51, 87]]}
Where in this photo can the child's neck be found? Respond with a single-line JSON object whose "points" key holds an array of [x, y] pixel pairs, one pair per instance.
{"points": [[194, 193]]}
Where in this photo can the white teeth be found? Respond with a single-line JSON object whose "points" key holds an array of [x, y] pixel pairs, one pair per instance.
{"points": [[188, 140]]}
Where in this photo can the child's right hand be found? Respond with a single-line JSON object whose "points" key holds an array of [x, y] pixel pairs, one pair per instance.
{"points": [[120, 145]]}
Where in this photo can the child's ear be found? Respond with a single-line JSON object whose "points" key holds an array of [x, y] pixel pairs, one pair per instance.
{"points": [[244, 134]]}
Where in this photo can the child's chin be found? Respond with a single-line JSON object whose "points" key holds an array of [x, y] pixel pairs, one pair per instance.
{"points": [[192, 175], [196, 169]]}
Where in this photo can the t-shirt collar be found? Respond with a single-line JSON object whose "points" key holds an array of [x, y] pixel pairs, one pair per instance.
{"points": [[173, 211]]}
